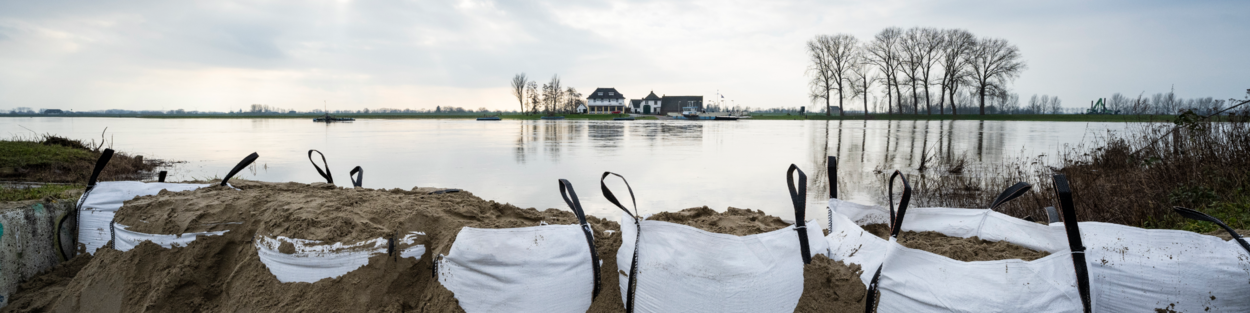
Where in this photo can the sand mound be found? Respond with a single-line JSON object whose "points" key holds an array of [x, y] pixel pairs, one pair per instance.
{"points": [[734, 221], [831, 286], [223, 273], [962, 249]]}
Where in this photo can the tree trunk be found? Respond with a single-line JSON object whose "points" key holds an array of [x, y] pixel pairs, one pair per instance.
{"points": [[865, 97], [927, 105], [915, 99], [828, 108], [889, 98], [841, 110], [982, 93], [954, 105], [942, 101]]}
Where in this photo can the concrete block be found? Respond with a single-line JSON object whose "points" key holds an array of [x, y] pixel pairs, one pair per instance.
{"points": [[27, 231]]}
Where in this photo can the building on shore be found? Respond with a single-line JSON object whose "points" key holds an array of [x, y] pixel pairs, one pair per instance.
{"points": [[603, 101], [658, 105]]}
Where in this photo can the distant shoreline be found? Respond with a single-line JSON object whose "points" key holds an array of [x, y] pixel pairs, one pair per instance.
{"points": [[758, 116]]}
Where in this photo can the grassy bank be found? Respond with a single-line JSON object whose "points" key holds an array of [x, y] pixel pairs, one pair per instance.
{"points": [[55, 159]]}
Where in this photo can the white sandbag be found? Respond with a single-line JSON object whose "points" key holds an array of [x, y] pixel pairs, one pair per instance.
{"points": [[541, 269], [126, 240], [100, 204], [1140, 270], [685, 269], [312, 260]]}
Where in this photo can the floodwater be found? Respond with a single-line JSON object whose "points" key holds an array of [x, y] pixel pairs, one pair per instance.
{"points": [[671, 165]]}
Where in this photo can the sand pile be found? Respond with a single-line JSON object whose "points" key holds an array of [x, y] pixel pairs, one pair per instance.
{"points": [[962, 249], [223, 273], [734, 221]]}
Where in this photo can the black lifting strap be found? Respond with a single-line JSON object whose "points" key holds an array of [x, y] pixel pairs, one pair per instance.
{"points": [[633, 266], [1015, 191], [799, 198], [1064, 193], [896, 224], [78, 208], [833, 186], [160, 177], [359, 178], [324, 174], [1195, 215], [576, 205], [239, 167]]}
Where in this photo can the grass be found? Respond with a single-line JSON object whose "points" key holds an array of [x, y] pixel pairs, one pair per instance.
{"points": [[57, 191], [56, 159]]}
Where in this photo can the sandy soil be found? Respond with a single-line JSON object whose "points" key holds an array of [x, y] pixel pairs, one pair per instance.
{"points": [[734, 221], [963, 249]]}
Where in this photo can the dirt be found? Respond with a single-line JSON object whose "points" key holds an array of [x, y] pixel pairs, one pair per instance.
{"points": [[1226, 236], [831, 286], [734, 221], [962, 249], [223, 273]]}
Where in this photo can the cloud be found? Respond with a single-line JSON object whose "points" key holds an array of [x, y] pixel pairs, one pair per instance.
{"points": [[91, 55]]}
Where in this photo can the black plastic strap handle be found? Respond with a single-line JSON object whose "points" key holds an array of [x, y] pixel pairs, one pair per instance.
{"points": [[1064, 193], [833, 177], [324, 174], [1052, 215], [1195, 215], [239, 167], [359, 178], [566, 191], [99, 167], [896, 224], [1013, 192], [160, 177], [633, 266], [799, 198]]}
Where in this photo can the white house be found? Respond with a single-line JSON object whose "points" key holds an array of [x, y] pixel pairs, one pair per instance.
{"points": [[604, 101], [648, 105]]}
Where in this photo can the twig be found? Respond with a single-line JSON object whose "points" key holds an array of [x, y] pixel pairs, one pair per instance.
{"points": [[1174, 128], [106, 129]]}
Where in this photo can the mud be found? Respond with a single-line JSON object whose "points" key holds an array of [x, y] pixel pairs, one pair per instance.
{"points": [[831, 286]]}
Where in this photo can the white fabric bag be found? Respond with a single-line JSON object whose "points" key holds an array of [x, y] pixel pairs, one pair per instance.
{"points": [[541, 269], [100, 202], [311, 260], [678, 268], [126, 240]]}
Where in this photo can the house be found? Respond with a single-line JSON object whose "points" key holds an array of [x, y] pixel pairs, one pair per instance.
{"points": [[604, 101], [657, 105]]}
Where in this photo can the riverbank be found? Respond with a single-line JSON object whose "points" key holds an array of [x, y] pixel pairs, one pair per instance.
{"points": [[52, 166]]}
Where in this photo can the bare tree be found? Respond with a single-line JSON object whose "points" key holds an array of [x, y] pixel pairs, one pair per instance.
{"points": [[841, 51], [534, 99], [954, 66], [822, 77], [912, 47], [862, 76], [574, 99], [993, 63], [552, 95], [518, 89], [884, 53], [929, 45]]}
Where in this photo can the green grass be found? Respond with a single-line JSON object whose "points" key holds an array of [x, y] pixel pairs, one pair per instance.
{"points": [[36, 193], [974, 117], [21, 154]]}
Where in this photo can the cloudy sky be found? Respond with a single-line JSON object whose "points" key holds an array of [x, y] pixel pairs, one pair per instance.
{"points": [[223, 55]]}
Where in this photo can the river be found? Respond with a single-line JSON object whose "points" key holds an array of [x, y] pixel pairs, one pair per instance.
{"points": [[671, 165]]}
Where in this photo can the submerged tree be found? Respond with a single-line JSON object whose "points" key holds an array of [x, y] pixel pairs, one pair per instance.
{"points": [[884, 53], [518, 89]]}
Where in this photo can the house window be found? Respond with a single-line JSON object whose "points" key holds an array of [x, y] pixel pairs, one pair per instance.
{"points": [[611, 93], [600, 93]]}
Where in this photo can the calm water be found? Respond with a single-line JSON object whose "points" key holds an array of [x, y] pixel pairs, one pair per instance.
{"points": [[671, 164]]}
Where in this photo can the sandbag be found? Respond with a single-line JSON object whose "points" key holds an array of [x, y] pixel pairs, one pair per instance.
{"points": [[678, 268], [542, 269], [309, 261], [125, 240], [100, 201]]}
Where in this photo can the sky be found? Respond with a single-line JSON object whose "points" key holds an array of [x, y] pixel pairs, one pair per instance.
{"points": [[347, 55]]}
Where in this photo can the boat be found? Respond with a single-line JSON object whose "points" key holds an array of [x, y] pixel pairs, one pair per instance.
{"points": [[690, 113], [488, 118], [622, 119], [552, 117], [328, 119]]}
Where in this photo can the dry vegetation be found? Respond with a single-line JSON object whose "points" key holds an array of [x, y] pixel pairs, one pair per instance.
{"points": [[1132, 178], [49, 158]]}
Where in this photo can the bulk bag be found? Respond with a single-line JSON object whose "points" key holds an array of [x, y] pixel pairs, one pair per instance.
{"points": [[678, 268], [126, 240], [311, 260], [542, 269], [100, 201]]}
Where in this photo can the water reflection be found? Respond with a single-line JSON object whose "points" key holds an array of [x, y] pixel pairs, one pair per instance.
{"points": [[671, 164]]}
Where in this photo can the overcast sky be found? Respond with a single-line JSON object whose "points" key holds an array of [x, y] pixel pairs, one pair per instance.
{"points": [[224, 55]]}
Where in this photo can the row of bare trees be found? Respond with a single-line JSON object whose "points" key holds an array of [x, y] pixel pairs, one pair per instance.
{"points": [[913, 60], [551, 98]]}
